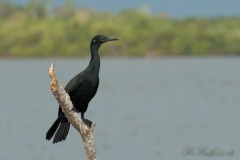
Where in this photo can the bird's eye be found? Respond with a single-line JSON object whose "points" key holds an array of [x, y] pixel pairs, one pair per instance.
{"points": [[94, 40]]}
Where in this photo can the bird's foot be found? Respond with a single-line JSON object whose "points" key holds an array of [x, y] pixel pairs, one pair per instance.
{"points": [[87, 122]]}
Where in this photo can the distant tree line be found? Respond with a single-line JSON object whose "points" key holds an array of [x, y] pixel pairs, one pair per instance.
{"points": [[39, 29]]}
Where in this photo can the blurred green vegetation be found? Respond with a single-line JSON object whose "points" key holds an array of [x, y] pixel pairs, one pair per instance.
{"points": [[39, 30]]}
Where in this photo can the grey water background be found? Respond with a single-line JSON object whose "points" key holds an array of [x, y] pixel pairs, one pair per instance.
{"points": [[145, 109]]}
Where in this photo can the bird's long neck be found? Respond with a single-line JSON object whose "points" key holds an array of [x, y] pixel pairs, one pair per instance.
{"points": [[94, 64]]}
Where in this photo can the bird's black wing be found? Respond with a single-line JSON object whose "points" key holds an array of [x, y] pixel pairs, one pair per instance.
{"points": [[74, 84], [72, 87]]}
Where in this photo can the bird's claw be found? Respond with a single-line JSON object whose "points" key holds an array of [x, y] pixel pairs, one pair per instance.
{"points": [[87, 122]]}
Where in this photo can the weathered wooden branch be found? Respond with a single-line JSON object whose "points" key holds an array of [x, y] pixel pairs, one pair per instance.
{"points": [[73, 117]]}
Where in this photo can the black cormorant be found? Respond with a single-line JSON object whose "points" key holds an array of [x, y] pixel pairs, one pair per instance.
{"points": [[81, 89]]}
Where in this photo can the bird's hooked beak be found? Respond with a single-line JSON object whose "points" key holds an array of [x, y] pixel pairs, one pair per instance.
{"points": [[111, 39]]}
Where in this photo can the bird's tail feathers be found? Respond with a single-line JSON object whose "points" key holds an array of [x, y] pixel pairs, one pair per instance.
{"points": [[52, 129], [62, 132]]}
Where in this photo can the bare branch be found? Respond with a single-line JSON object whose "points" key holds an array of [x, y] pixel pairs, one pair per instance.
{"points": [[73, 117]]}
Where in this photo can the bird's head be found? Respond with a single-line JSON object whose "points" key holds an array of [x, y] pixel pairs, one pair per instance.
{"points": [[100, 39]]}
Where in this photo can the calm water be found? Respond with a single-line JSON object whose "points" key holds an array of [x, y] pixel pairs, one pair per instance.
{"points": [[145, 109]]}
